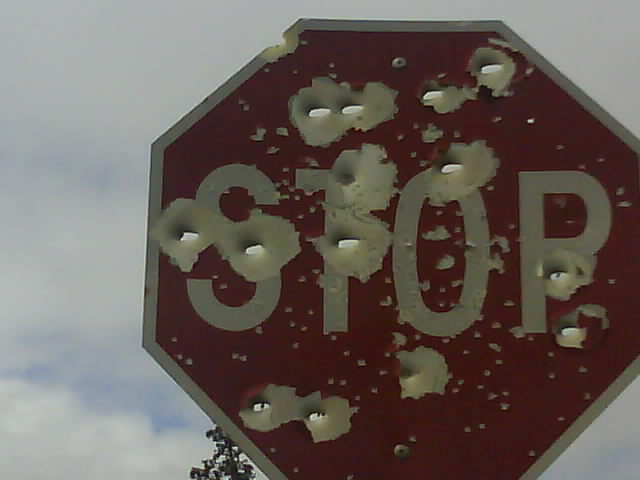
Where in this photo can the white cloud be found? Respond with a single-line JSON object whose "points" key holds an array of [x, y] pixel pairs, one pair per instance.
{"points": [[48, 431]]}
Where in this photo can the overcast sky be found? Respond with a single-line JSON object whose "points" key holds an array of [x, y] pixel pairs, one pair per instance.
{"points": [[85, 87]]}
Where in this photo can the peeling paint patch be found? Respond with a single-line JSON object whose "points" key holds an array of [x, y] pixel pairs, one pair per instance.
{"points": [[399, 339], [446, 262], [564, 272], [423, 371], [185, 229], [276, 236], [326, 419], [445, 98], [338, 103], [496, 79], [274, 406], [440, 232], [365, 257], [496, 263], [290, 43], [502, 242], [362, 178], [518, 332], [431, 134], [476, 163]]}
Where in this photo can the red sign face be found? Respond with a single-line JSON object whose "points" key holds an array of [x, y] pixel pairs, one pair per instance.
{"points": [[390, 250]]}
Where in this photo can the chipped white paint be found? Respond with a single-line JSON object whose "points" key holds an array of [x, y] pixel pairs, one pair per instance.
{"points": [[431, 134], [189, 236], [399, 339], [439, 232], [327, 419], [445, 262], [259, 135], [423, 371]]}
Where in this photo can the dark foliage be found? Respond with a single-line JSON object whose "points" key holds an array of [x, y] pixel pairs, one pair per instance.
{"points": [[227, 462]]}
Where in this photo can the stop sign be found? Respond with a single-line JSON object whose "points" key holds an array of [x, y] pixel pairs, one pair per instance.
{"points": [[396, 250]]}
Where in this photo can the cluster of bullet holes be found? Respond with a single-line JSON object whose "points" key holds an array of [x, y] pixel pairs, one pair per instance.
{"points": [[324, 112], [325, 418]]}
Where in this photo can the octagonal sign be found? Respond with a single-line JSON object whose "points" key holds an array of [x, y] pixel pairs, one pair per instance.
{"points": [[396, 250]]}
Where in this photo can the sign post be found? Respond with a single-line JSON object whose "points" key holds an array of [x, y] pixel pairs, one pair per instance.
{"points": [[396, 250]]}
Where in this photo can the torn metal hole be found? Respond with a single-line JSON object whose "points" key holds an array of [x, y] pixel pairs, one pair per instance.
{"points": [[401, 451], [255, 249], [448, 168], [564, 272], [348, 242], [445, 98], [558, 276], [583, 328], [260, 406], [352, 109], [272, 407], [432, 95], [319, 112], [316, 416], [399, 62], [188, 236], [491, 68]]}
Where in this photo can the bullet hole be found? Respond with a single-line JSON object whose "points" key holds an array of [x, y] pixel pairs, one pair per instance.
{"points": [[260, 406], [491, 68], [348, 242], [399, 62], [254, 249], [432, 95], [189, 236], [318, 112], [351, 109], [450, 168], [401, 451], [316, 416]]}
